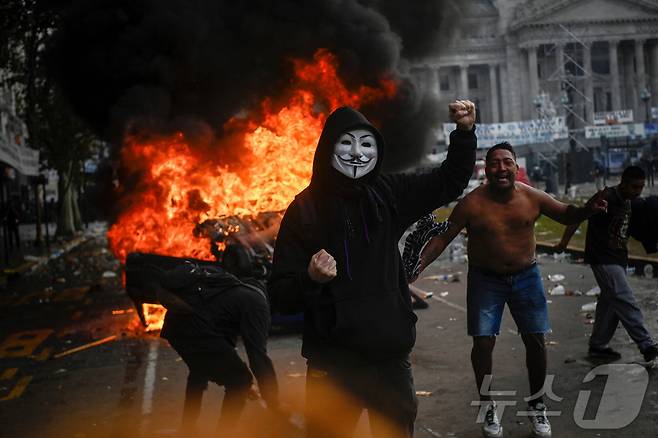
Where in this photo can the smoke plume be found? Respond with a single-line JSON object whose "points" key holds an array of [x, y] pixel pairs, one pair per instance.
{"points": [[164, 65]]}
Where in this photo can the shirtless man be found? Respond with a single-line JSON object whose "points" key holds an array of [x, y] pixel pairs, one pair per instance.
{"points": [[500, 219]]}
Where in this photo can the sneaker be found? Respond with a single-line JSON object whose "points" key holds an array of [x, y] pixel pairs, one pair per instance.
{"points": [[541, 427], [650, 353], [415, 242], [492, 427], [603, 353]]}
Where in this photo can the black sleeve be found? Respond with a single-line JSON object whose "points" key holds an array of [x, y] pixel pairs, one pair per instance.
{"points": [[254, 327], [420, 193], [289, 285]]}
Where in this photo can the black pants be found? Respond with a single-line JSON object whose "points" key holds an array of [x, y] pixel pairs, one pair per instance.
{"points": [[336, 396], [225, 368]]}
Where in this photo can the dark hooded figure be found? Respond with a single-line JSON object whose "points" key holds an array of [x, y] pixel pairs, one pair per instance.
{"points": [[337, 259]]}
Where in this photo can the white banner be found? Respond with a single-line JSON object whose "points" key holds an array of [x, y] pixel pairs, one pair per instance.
{"points": [[612, 117], [615, 131], [517, 133], [25, 160]]}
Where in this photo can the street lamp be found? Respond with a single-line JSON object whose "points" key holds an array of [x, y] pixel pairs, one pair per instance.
{"points": [[645, 95]]}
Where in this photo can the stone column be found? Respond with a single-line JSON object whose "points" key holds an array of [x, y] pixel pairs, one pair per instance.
{"points": [[433, 78], [512, 80], [654, 74], [463, 82], [589, 87], [533, 73], [613, 56], [493, 86], [629, 85], [504, 96], [641, 79]]}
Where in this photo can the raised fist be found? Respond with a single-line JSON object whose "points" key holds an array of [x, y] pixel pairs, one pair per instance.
{"points": [[462, 112]]}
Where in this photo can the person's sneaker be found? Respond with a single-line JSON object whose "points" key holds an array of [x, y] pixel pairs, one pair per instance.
{"points": [[650, 353], [603, 353], [491, 427], [415, 242], [539, 423]]}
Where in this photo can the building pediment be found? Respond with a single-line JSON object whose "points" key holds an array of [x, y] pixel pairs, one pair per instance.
{"points": [[546, 12]]}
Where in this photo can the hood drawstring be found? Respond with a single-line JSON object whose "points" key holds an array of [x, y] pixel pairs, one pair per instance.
{"points": [[370, 206], [365, 223]]}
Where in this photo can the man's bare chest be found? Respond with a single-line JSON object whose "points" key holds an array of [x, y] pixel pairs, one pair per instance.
{"points": [[516, 217]]}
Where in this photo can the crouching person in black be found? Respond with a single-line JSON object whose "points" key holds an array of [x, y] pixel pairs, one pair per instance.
{"points": [[207, 308]]}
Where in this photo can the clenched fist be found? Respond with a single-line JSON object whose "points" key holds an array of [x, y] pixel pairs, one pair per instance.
{"points": [[322, 267], [462, 112]]}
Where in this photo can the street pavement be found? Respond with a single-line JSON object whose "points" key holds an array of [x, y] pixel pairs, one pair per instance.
{"points": [[132, 385]]}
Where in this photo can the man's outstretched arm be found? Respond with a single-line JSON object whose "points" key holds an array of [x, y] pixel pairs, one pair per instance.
{"points": [[569, 214], [566, 237]]}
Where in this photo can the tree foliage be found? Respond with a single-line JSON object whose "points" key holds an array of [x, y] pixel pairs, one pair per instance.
{"points": [[64, 141]]}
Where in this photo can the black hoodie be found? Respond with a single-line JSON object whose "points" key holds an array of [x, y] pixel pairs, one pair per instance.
{"points": [[364, 314]]}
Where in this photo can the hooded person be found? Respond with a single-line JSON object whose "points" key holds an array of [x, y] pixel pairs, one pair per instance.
{"points": [[336, 259]]}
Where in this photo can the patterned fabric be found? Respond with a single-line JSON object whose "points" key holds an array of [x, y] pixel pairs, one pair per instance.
{"points": [[425, 229]]}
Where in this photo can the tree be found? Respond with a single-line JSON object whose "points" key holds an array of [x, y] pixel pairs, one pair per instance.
{"points": [[26, 29]]}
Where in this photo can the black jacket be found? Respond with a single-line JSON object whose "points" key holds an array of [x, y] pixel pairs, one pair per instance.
{"points": [[644, 218], [214, 310], [364, 314]]}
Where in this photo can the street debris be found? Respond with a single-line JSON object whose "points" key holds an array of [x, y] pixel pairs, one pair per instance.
{"points": [[431, 432], [561, 257], [444, 294], [453, 278], [423, 393], [551, 343], [557, 290], [555, 278], [648, 270], [593, 292], [85, 347], [589, 307]]}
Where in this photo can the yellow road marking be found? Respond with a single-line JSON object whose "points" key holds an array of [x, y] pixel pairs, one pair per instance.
{"points": [[8, 373], [17, 390], [44, 355], [23, 344]]}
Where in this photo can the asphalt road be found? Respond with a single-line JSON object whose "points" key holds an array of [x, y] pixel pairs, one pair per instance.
{"points": [[132, 385]]}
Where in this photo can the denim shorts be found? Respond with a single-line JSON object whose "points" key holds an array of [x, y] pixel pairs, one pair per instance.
{"points": [[523, 292]]}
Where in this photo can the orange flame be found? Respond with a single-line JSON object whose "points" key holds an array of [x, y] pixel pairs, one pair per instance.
{"points": [[154, 316], [183, 186]]}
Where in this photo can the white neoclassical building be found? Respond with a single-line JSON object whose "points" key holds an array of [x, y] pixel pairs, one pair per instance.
{"points": [[580, 57]]}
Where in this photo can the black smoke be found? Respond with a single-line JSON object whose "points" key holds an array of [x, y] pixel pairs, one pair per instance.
{"points": [[163, 65]]}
